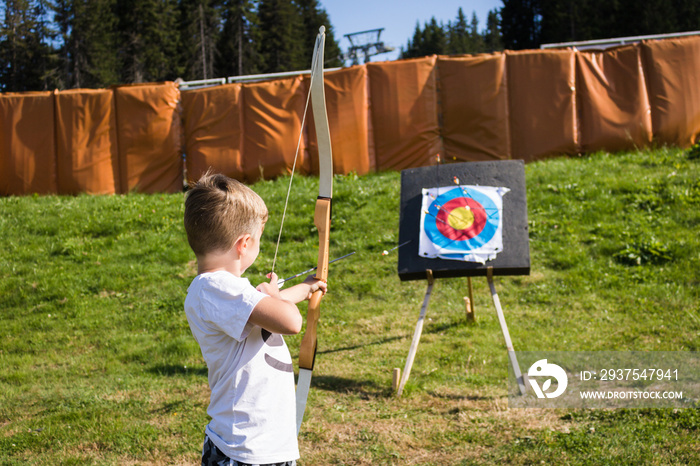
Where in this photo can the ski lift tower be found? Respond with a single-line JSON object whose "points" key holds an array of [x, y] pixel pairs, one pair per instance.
{"points": [[365, 43]]}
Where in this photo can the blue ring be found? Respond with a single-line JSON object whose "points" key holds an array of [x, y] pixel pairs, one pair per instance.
{"points": [[492, 220]]}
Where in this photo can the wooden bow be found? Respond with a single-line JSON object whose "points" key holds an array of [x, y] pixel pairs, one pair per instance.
{"points": [[322, 220]]}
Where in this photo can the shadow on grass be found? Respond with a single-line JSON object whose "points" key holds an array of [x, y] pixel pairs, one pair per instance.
{"points": [[458, 397], [172, 407], [354, 347], [365, 389], [431, 329]]}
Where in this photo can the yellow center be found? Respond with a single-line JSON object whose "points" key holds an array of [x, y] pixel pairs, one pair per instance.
{"points": [[461, 218]]}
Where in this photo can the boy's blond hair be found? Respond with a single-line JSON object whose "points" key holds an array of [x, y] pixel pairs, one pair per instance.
{"points": [[218, 210]]}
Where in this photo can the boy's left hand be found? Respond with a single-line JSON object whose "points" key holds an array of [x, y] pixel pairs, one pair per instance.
{"points": [[314, 285]]}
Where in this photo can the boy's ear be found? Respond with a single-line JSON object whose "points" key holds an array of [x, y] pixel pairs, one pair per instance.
{"points": [[241, 243]]}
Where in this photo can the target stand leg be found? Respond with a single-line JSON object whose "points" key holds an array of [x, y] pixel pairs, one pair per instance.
{"points": [[506, 334], [416, 334], [469, 303]]}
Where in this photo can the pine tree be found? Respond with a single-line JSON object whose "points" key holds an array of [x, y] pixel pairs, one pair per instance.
{"points": [[281, 37], [91, 44], [580, 20], [458, 35], [492, 33], [686, 15], [521, 24], [24, 54], [477, 41], [199, 32], [62, 18], [46, 34], [238, 41], [435, 38], [431, 40], [412, 45], [148, 40]]}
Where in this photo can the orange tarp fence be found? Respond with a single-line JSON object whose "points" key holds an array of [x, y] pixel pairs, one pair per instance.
{"points": [[474, 103], [403, 102], [214, 127], [541, 99], [673, 70], [86, 142], [272, 113], [149, 137], [348, 113], [382, 116], [213, 131], [614, 111], [27, 145]]}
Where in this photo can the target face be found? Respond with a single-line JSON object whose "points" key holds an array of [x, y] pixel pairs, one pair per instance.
{"points": [[462, 222]]}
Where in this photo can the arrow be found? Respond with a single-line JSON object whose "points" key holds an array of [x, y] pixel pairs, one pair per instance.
{"points": [[281, 281], [385, 252]]}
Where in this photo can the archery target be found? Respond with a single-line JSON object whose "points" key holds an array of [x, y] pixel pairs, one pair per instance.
{"points": [[462, 223]]}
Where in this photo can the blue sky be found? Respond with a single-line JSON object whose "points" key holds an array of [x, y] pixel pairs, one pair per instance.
{"points": [[398, 17]]}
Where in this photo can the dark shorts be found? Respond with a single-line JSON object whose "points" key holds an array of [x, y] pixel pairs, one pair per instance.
{"points": [[212, 456]]}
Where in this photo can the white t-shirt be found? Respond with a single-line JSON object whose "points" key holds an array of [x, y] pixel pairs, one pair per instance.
{"points": [[252, 406]]}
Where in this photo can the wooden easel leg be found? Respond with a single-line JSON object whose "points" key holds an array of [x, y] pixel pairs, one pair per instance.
{"points": [[469, 303], [395, 378], [416, 334], [506, 334]]}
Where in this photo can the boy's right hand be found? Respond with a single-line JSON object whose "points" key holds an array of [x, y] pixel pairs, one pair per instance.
{"points": [[275, 313], [270, 289], [294, 294]]}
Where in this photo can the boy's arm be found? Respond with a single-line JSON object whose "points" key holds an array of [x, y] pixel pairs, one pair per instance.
{"points": [[278, 313], [303, 291], [276, 316]]}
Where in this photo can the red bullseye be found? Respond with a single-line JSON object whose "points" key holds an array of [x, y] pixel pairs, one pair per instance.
{"points": [[461, 219]]}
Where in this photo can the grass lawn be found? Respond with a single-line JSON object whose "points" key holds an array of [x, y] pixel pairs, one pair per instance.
{"points": [[98, 366]]}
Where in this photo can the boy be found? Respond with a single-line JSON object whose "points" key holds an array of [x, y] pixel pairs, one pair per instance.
{"points": [[239, 327]]}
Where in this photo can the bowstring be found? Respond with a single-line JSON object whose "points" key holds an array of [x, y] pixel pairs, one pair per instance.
{"points": [[294, 164]]}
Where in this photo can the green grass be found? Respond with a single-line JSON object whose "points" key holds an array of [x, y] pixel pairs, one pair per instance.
{"points": [[98, 366]]}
